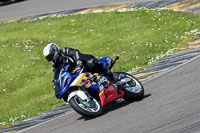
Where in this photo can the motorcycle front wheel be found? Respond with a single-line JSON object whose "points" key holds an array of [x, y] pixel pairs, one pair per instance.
{"points": [[91, 108]]}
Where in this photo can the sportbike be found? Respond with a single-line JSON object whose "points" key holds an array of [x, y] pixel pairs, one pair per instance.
{"points": [[87, 93]]}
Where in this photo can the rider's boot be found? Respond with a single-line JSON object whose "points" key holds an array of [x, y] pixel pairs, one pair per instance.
{"points": [[117, 88], [113, 77]]}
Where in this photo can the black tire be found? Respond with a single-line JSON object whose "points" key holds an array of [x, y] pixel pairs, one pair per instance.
{"points": [[131, 95], [76, 103]]}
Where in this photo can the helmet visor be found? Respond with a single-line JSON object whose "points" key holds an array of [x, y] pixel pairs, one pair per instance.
{"points": [[54, 59], [50, 57]]}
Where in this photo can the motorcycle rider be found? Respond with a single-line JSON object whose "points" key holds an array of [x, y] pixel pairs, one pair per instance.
{"points": [[76, 60]]}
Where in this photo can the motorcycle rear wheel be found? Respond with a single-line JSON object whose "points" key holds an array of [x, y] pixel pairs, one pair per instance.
{"points": [[133, 90], [89, 109]]}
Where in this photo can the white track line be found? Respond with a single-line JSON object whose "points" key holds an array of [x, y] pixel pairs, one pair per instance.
{"points": [[45, 122], [170, 70]]}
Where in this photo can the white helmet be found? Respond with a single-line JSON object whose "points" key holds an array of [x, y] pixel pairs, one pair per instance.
{"points": [[51, 53]]}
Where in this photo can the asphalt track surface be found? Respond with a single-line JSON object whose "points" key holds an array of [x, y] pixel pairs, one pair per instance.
{"points": [[171, 105], [35, 7]]}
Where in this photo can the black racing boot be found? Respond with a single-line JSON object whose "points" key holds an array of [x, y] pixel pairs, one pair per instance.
{"points": [[113, 77]]}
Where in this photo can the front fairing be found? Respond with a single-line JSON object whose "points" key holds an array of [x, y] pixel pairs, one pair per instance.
{"points": [[66, 80], [63, 83]]}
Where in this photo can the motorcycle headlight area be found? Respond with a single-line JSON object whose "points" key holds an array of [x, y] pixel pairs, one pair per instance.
{"points": [[62, 81]]}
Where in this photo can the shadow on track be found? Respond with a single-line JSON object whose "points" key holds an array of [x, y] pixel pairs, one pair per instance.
{"points": [[114, 106], [9, 2]]}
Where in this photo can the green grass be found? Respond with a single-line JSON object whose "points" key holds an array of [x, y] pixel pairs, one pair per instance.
{"points": [[139, 37]]}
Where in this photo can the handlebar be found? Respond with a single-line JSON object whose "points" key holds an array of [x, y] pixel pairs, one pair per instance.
{"points": [[75, 71]]}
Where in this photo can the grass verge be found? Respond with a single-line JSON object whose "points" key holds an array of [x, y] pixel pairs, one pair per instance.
{"points": [[140, 38]]}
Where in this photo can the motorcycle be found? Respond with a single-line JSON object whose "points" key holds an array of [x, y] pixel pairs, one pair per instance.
{"points": [[87, 93]]}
